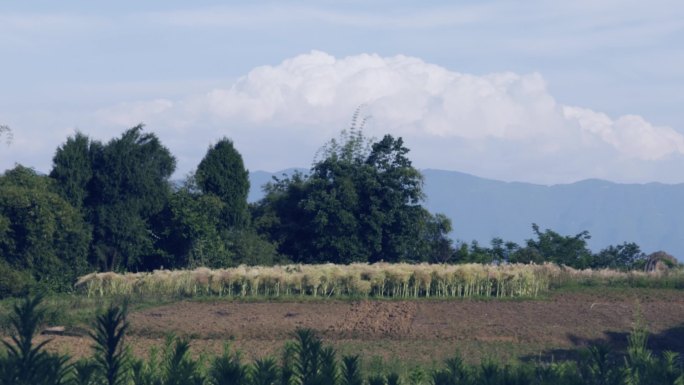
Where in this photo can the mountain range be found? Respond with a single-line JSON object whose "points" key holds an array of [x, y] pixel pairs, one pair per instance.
{"points": [[651, 215]]}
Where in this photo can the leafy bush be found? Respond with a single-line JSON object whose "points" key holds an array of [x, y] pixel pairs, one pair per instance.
{"points": [[14, 283]]}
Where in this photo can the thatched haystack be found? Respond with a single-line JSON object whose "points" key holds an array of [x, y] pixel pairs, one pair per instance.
{"points": [[660, 261]]}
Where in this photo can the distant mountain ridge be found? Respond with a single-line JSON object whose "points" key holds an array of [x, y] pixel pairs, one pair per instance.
{"points": [[651, 215]]}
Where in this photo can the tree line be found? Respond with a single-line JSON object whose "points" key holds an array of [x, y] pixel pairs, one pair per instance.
{"points": [[112, 206]]}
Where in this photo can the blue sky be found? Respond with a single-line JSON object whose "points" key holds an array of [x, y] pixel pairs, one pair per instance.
{"points": [[540, 91]]}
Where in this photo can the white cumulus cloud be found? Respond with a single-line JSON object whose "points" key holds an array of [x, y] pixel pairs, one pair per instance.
{"points": [[630, 134], [503, 125]]}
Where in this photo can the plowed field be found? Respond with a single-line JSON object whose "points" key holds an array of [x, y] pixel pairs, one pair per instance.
{"points": [[422, 331]]}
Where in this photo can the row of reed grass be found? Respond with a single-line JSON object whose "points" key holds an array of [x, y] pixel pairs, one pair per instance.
{"points": [[381, 280]]}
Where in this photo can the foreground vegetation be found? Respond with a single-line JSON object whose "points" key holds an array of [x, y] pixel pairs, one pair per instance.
{"points": [[380, 280], [306, 360]]}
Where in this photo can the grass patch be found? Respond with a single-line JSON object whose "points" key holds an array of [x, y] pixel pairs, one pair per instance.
{"points": [[75, 311]]}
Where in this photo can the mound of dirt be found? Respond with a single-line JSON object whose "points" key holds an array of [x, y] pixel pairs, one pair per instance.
{"points": [[374, 319]]}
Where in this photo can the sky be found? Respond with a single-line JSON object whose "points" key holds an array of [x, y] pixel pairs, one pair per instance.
{"points": [[535, 91]]}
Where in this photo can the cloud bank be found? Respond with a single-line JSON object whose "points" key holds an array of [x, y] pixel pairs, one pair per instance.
{"points": [[501, 125]]}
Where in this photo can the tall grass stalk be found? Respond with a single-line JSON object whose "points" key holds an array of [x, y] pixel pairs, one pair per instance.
{"points": [[380, 280], [108, 334]]}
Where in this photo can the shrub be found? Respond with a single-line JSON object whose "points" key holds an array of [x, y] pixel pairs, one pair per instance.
{"points": [[14, 283]]}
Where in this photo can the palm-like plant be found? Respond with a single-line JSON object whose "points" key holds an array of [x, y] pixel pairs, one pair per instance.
{"points": [[376, 379], [108, 334], [457, 369], [84, 372], [26, 362], [393, 378], [351, 370], [264, 372], [308, 348], [672, 370], [544, 374], [640, 362], [57, 370], [416, 376], [517, 375], [145, 373], [227, 370], [442, 377], [287, 368], [6, 370], [329, 373], [489, 372], [179, 368], [455, 373], [600, 367]]}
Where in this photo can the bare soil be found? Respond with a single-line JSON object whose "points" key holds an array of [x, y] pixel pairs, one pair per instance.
{"points": [[422, 331]]}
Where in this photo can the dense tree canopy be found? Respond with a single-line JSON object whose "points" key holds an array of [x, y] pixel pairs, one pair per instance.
{"points": [[72, 169], [553, 247], [40, 232], [207, 220], [129, 186], [196, 235], [361, 202], [624, 256], [193, 229], [222, 173], [549, 246], [121, 186]]}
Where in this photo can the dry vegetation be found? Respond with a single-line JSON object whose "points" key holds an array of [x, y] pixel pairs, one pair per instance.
{"points": [[379, 280]]}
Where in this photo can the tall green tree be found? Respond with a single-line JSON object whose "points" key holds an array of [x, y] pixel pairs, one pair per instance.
{"points": [[195, 234], [40, 232], [393, 196], [192, 234], [436, 246], [361, 202], [128, 188], [280, 216], [333, 204], [222, 173], [549, 246], [625, 256], [120, 187], [72, 169]]}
